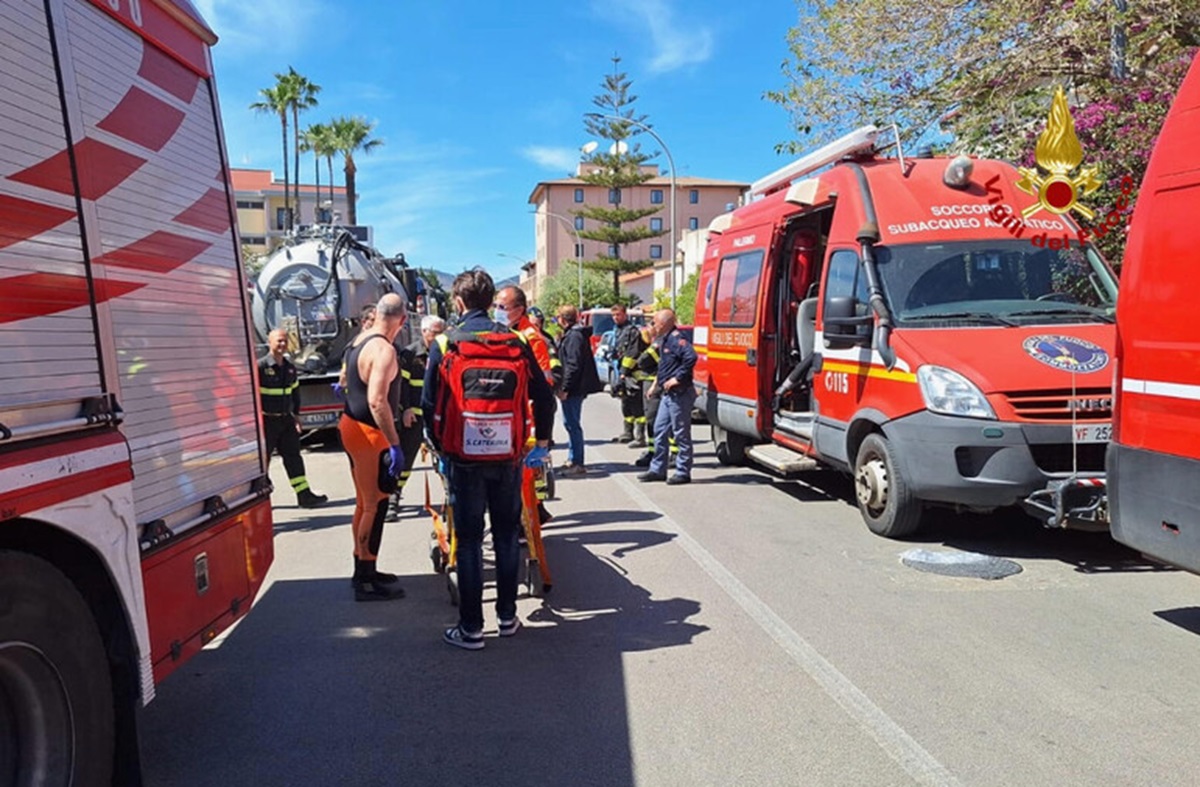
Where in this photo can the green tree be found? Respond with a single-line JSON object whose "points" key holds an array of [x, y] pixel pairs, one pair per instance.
{"points": [[277, 100], [616, 168], [352, 135], [984, 73], [302, 95], [685, 299], [563, 288]]}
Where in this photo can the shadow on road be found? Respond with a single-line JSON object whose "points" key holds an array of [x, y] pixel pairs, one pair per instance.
{"points": [[1007, 532], [314, 689], [1187, 618]]}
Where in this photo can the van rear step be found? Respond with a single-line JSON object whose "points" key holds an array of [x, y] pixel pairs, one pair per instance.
{"points": [[781, 460]]}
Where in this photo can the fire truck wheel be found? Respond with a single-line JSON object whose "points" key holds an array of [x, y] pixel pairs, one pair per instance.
{"points": [[884, 499], [730, 447], [56, 699]]}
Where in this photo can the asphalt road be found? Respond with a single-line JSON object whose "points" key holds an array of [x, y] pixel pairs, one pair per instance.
{"points": [[741, 630]]}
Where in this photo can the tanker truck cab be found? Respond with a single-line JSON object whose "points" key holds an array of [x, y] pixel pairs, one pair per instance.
{"points": [[868, 314]]}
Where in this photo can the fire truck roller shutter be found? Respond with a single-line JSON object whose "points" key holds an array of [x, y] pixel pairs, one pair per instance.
{"points": [[163, 223]]}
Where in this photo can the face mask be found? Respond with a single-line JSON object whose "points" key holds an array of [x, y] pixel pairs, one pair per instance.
{"points": [[500, 315]]}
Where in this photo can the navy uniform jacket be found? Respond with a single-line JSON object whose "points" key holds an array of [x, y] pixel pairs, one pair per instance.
{"points": [[677, 358], [476, 321]]}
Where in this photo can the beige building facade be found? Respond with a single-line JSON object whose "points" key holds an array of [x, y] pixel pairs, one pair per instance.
{"points": [[556, 243], [261, 216]]}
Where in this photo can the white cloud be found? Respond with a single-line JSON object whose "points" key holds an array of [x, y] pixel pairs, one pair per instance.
{"points": [[284, 26], [676, 43], [561, 159]]}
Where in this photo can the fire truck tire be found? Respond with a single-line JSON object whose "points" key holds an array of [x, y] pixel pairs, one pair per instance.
{"points": [[56, 698], [884, 499], [729, 446]]}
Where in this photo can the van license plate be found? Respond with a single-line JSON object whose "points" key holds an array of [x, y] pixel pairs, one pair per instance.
{"points": [[1093, 433], [319, 419]]}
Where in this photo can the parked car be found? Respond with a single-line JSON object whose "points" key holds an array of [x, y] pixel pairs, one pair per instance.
{"points": [[607, 365]]}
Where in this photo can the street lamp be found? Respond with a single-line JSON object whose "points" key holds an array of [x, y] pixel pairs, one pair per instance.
{"points": [[512, 256], [671, 163], [578, 246]]}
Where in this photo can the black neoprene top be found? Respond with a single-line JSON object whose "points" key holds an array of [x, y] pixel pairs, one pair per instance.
{"points": [[357, 406]]}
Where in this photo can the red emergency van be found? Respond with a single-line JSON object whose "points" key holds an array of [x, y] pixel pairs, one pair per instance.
{"points": [[931, 352], [1154, 459]]}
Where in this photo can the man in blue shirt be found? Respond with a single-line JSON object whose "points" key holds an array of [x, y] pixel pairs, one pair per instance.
{"points": [[476, 487], [677, 359]]}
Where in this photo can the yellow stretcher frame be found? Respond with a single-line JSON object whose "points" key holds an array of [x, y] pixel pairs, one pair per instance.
{"points": [[443, 545]]}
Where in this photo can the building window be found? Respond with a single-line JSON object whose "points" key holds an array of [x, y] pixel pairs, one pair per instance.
{"points": [[614, 196], [693, 223], [656, 251], [612, 250], [249, 205], [579, 222], [324, 216], [656, 225], [281, 218], [254, 240], [578, 249], [694, 196], [579, 195], [655, 196]]}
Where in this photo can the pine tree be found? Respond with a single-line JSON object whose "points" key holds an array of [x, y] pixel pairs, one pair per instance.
{"points": [[616, 167]]}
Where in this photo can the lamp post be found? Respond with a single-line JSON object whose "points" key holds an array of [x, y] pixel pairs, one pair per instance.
{"points": [[578, 246], [671, 163]]}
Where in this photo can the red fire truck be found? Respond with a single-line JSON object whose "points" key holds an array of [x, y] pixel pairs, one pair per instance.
{"points": [[882, 316], [135, 519], [1154, 459]]}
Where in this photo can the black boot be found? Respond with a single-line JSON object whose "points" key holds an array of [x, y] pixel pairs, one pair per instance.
{"points": [[639, 435], [627, 435], [644, 459], [306, 498]]}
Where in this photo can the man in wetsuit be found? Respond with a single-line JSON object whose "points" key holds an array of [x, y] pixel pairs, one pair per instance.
{"points": [[372, 442]]}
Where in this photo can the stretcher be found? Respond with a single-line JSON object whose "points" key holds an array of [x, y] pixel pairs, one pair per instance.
{"points": [[443, 545]]}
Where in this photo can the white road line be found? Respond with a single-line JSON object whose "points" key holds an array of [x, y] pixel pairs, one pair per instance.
{"points": [[890, 736]]}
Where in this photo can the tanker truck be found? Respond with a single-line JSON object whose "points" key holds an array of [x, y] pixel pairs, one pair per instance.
{"points": [[314, 287]]}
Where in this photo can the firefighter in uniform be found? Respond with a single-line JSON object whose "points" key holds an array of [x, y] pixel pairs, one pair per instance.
{"points": [[646, 369], [413, 359], [632, 408], [279, 392], [511, 310], [630, 348]]}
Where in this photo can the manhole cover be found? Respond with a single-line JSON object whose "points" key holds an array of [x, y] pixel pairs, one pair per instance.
{"points": [[960, 564]]}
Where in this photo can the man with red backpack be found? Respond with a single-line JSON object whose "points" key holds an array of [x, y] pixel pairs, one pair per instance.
{"points": [[478, 384]]}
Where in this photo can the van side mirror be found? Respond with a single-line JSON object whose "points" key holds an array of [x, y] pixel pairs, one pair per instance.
{"points": [[842, 322]]}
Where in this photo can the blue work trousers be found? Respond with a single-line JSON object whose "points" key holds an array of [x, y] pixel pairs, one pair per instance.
{"points": [[674, 419], [572, 410], [495, 488]]}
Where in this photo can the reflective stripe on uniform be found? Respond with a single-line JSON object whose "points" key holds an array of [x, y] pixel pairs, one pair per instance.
{"points": [[279, 391]]}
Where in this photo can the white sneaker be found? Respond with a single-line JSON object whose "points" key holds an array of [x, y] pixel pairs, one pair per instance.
{"points": [[461, 639], [509, 627]]}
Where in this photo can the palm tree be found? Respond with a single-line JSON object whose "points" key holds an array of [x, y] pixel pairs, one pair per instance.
{"points": [[350, 136], [302, 95], [276, 100], [310, 142]]}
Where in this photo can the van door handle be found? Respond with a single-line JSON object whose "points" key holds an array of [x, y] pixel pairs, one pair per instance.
{"points": [[751, 357]]}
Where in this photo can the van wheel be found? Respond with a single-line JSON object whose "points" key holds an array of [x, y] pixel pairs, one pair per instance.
{"points": [[884, 499], [730, 446], [56, 699]]}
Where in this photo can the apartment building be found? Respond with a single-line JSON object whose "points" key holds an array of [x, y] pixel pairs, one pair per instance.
{"points": [[697, 202], [261, 214]]}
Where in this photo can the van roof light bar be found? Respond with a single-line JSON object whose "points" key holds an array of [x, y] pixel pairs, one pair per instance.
{"points": [[858, 141]]}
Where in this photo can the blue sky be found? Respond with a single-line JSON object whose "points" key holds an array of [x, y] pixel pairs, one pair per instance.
{"points": [[477, 101]]}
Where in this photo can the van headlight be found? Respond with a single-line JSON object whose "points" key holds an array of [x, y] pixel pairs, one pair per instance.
{"points": [[949, 393]]}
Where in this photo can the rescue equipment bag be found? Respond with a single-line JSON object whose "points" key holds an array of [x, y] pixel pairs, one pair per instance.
{"points": [[482, 411]]}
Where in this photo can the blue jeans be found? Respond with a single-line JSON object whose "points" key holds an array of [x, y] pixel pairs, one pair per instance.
{"points": [[675, 419], [572, 409], [497, 489]]}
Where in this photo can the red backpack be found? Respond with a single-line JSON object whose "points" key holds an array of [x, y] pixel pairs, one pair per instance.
{"points": [[482, 411]]}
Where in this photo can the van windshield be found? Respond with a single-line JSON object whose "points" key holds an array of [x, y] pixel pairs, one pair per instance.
{"points": [[1009, 282]]}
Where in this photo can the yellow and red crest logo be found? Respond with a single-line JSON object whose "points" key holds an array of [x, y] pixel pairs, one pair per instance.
{"points": [[1058, 152]]}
